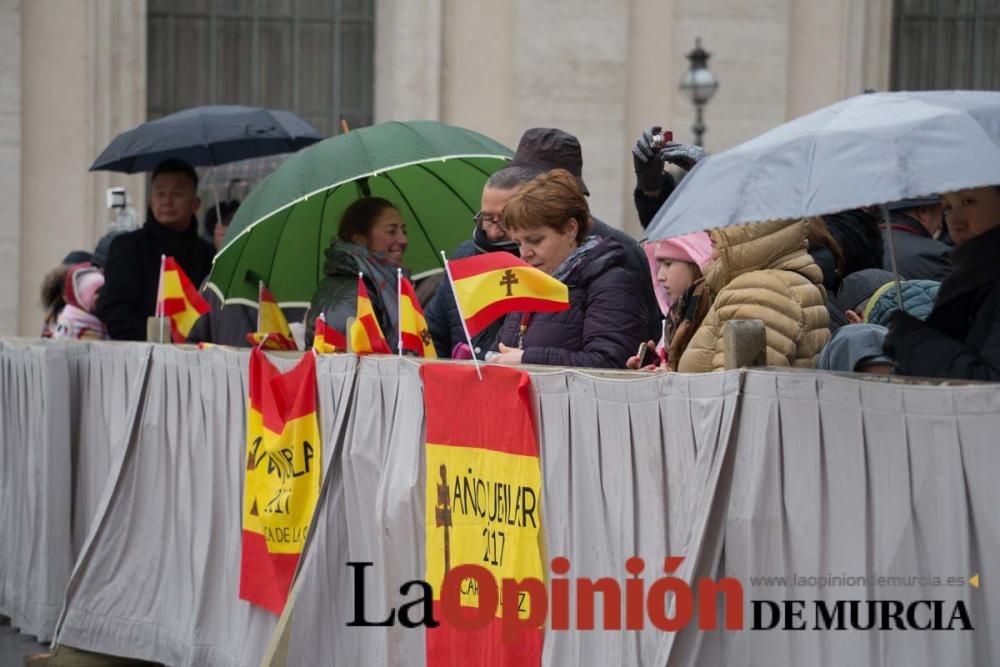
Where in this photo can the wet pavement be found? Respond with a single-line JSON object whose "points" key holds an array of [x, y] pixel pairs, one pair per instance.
{"points": [[14, 646]]}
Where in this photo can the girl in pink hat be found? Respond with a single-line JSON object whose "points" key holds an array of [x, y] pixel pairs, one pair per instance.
{"points": [[677, 264], [77, 319]]}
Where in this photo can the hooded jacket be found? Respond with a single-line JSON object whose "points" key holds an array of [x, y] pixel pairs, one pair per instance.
{"points": [[80, 289], [132, 274], [337, 296], [763, 273], [605, 322], [961, 337], [918, 300]]}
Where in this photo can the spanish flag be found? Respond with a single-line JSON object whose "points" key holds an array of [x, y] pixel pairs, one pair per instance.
{"points": [[272, 327], [413, 333], [178, 299], [326, 339], [483, 507], [366, 334], [489, 286], [283, 464]]}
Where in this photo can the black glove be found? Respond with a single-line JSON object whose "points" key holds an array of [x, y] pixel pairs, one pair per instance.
{"points": [[647, 161], [901, 325], [685, 156]]}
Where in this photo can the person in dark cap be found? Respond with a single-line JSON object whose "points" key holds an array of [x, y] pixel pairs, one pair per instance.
{"points": [[916, 225], [132, 271], [545, 149], [77, 257], [857, 289], [540, 149]]}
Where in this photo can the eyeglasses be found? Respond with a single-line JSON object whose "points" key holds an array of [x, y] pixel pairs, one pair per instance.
{"points": [[482, 217]]}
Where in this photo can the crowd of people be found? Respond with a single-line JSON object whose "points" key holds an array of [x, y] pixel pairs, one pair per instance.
{"points": [[825, 288]]}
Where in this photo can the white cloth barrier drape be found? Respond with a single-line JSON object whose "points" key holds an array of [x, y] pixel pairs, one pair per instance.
{"points": [[745, 474], [159, 576]]}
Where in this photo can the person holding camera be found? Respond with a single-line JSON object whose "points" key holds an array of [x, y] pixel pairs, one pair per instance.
{"points": [[654, 149]]}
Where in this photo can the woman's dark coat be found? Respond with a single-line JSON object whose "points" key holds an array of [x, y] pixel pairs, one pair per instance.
{"points": [[961, 338], [604, 325]]}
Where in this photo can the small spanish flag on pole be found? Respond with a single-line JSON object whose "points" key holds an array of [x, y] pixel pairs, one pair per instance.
{"points": [[178, 299], [326, 339], [413, 333], [272, 327], [366, 335], [490, 285]]}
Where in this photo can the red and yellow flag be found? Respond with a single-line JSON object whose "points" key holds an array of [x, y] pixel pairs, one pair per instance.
{"points": [[326, 339], [366, 334], [483, 504], [272, 327], [283, 467], [413, 333], [179, 300], [490, 285]]}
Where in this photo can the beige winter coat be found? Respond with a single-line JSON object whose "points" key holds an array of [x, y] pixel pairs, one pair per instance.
{"points": [[763, 273]]}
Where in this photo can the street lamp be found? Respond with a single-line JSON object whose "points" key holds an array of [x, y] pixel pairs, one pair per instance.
{"points": [[700, 84]]}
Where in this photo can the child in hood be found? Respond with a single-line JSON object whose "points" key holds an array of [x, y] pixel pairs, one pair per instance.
{"points": [[77, 321]]}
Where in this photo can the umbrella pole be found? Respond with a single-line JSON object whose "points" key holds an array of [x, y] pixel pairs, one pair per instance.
{"points": [[892, 255], [215, 194]]}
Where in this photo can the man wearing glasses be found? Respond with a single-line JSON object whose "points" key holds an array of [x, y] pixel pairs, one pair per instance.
{"points": [[443, 319]]}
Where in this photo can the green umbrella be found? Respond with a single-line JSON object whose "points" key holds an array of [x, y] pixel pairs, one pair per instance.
{"points": [[434, 174]]}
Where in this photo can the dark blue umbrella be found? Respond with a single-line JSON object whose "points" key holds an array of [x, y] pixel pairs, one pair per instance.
{"points": [[207, 136]]}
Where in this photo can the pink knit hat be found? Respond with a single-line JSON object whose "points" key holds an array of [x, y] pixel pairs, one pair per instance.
{"points": [[695, 248]]}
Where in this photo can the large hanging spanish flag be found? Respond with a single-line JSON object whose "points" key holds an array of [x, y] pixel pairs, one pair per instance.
{"points": [[326, 339], [283, 465], [483, 503], [413, 333], [272, 327], [366, 334], [178, 299], [490, 285]]}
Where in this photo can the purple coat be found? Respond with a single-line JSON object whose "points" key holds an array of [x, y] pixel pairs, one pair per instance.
{"points": [[604, 325]]}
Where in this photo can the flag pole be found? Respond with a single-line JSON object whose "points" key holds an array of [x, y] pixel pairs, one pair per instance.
{"points": [[461, 316], [260, 298], [159, 296], [399, 306]]}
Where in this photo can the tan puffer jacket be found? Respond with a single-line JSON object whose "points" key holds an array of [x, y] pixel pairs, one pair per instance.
{"points": [[763, 273]]}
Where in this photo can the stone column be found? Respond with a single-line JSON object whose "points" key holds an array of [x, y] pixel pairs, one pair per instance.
{"points": [[83, 82], [408, 36], [10, 163]]}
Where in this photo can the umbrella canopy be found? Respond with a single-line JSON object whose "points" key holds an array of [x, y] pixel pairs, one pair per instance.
{"points": [[433, 173], [870, 149], [204, 136]]}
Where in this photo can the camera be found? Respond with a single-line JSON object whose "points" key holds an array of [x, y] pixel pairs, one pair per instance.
{"points": [[662, 139], [116, 198]]}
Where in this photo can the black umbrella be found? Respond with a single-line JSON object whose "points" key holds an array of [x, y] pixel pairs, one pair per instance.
{"points": [[207, 136]]}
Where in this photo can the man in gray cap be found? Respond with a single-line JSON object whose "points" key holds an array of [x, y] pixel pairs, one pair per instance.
{"points": [[540, 149], [915, 226]]}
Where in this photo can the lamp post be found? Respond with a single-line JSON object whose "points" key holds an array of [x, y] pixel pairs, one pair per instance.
{"points": [[700, 84]]}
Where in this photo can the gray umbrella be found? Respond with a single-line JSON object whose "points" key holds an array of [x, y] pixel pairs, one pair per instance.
{"points": [[867, 150]]}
